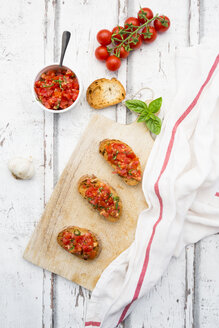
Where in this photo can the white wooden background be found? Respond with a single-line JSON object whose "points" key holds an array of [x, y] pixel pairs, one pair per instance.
{"points": [[30, 33]]}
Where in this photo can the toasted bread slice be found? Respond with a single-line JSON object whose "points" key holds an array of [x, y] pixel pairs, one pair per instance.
{"points": [[104, 93], [110, 212], [102, 149], [75, 232]]}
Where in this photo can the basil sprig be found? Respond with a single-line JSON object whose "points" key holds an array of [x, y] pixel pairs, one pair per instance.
{"points": [[146, 113]]}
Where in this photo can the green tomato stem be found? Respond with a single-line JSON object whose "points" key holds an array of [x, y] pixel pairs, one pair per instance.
{"points": [[135, 32]]}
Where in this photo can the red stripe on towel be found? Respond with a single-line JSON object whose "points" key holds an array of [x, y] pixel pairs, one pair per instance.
{"points": [[156, 188], [92, 323]]}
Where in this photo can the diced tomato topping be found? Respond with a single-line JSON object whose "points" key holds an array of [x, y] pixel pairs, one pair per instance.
{"points": [[126, 162], [79, 244], [100, 196], [67, 235], [65, 241], [88, 249], [57, 89]]}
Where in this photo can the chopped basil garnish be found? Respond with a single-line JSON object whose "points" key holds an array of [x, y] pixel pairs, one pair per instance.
{"points": [[77, 232], [47, 86], [72, 248], [59, 82], [116, 155], [58, 104], [110, 195]]}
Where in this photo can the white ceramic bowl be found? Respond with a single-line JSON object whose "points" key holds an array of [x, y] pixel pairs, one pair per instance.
{"points": [[55, 67]]}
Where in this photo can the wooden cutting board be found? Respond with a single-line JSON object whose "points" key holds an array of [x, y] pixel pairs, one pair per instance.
{"points": [[66, 207]]}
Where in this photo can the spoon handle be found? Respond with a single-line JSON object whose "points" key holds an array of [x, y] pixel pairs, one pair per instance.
{"points": [[65, 40]]}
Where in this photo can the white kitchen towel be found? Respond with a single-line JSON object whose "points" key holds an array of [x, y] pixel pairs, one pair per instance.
{"points": [[180, 184]]}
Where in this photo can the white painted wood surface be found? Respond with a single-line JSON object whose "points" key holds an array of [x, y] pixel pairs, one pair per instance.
{"points": [[188, 294]]}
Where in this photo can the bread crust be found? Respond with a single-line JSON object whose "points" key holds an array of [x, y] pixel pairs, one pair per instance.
{"points": [[82, 191], [102, 150], [71, 229], [103, 93]]}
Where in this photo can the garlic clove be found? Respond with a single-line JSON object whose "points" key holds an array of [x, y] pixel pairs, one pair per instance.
{"points": [[21, 168]]}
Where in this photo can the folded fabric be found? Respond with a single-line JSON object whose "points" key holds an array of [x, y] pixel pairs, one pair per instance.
{"points": [[180, 184]]}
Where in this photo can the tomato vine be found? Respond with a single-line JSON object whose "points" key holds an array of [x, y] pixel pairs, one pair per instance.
{"points": [[126, 42]]}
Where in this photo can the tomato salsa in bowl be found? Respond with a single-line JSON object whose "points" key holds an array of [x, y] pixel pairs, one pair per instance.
{"points": [[57, 89]]}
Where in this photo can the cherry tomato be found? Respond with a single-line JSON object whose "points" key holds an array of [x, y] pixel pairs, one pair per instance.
{"points": [[137, 45], [101, 53], [104, 37], [162, 24], [123, 52], [113, 63], [134, 21], [117, 36], [144, 14], [151, 34]]}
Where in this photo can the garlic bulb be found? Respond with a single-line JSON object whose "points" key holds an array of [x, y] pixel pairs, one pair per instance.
{"points": [[21, 168]]}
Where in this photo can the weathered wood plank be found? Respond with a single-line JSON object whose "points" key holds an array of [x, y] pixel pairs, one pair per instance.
{"points": [[206, 311], [152, 67], [21, 134], [71, 299], [50, 31], [206, 305], [194, 22], [189, 319], [121, 112]]}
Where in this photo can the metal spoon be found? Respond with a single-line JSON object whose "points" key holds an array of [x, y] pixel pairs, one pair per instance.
{"points": [[65, 40]]}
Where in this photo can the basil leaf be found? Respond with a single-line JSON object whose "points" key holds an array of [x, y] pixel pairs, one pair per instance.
{"points": [[143, 117], [154, 124], [155, 105], [137, 106]]}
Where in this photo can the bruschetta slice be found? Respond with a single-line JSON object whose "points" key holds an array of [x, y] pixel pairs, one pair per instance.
{"points": [[122, 158], [80, 242], [101, 196]]}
